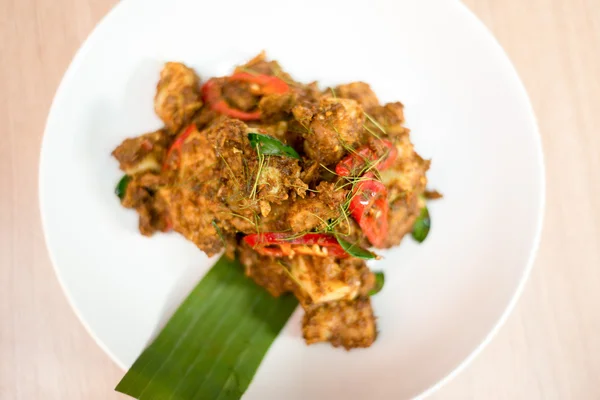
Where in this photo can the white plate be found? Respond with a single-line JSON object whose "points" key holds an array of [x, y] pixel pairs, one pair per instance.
{"points": [[467, 110]]}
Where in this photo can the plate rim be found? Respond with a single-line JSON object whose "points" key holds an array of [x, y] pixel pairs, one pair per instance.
{"points": [[539, 220], [514, 75]]}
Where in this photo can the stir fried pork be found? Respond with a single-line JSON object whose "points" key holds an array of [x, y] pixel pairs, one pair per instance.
{"points": [[347, 323], [279, 203]]}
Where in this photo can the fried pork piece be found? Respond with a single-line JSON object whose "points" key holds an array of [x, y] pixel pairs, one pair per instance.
{"points": [[205, 117], [275, 107], [278, 130], [323, 279], [307, 214], [314, 212], [215, 156], [277, 177], [390, 117], [177, 95], [143, 153], [359, 91], [348, 323], [221, 154], [273, 221], [358, 266], [194, 215], [311, 172], [268, 272], [140, 195], [313, 279], [307, 93], [336, 126], [198, 157]]}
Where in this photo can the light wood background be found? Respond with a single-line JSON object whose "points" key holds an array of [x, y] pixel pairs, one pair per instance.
{"points": [[548, 349]]}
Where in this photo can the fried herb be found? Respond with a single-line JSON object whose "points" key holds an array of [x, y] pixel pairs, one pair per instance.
{"points": [[355, 250], [121, 187], [374, 122], [259, 168], [379, 281], [421, 226], [219, 233], [269, 146]]}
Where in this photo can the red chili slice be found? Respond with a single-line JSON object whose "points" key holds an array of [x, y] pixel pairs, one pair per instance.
{"points": [[369, 207], [211, 93], [223, 108], [278, 244], [268, 84], [354, 162], [391, 156], [263, 239], [176, 146]]}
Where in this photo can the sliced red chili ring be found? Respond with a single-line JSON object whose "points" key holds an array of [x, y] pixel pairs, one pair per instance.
{"points": [[391, 156], [369, 207], [279, 244], [263, 239], [211, 93], [176, 146], [268, 84], [354, 162], [223, 108]]}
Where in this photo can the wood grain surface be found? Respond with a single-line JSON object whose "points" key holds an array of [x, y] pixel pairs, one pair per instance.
{"points": [[548, 349]]}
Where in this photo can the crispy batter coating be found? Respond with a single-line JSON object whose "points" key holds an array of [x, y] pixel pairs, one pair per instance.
{"points": [[322, 279], [192, 215], [334, 128], [325, 279], [315, 211], [347, 323], [276, 107], [390, 117], [177, 95], [360, 92], [143, 153]]}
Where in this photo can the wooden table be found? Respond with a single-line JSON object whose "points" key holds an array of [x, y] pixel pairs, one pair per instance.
{"points": [[548, 349]]}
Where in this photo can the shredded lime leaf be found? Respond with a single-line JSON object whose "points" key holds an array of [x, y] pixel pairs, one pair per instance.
{"points": [[213, 344], [219, 233], [270, 146], [421, 226], [379, 281], [122, 186], [355, 250]]}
